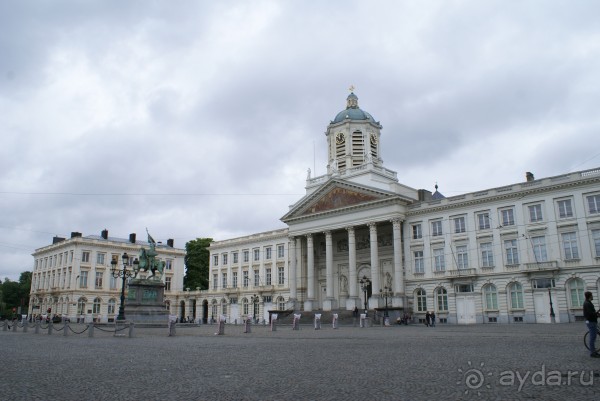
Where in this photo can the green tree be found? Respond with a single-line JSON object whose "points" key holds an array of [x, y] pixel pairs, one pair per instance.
{"points": [[15, 294], [196, 263]]}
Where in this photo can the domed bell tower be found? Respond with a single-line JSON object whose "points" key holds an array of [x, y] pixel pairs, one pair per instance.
{"points": [[352, 139]]}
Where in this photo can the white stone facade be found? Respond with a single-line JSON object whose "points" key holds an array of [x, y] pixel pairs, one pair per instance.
{"points": [[520, 253], [73, 277]]}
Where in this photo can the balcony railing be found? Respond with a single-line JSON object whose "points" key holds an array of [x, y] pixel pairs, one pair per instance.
{"points": [[549, 265], [463, 272]]}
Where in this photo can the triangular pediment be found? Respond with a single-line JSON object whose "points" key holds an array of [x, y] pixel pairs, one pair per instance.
{"points": [[338, 198], [334, 196]]}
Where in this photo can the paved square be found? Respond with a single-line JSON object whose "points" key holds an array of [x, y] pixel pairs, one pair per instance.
{"points": [[515, 361]]}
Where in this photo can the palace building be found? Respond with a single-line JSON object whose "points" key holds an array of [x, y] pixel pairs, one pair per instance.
{"points": [[524, 252], [72, 276]]}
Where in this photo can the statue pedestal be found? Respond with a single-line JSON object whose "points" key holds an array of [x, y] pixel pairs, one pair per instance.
{"points": [[145, 302]]}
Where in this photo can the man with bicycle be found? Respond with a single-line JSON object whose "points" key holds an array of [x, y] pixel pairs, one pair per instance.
{"points": [[591, 320]]}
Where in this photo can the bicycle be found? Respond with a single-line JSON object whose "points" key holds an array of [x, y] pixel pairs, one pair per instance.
{"points": [[587, 343]]}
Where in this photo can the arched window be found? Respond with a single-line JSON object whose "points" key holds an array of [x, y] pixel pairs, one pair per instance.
{"points": [[214, 308], [280, 303], [442, 299], [224, 307], [112, 306], [421, 298], [96, 306], [81, 306], [491, 297], [516, 296], [245, 306], [576, 290]]}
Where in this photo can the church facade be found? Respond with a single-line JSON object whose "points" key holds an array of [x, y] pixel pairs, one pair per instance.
{"points": [[525, 252]]}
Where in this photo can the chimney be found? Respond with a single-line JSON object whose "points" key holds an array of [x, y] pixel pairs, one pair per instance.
{"points": [[57, 239], [170, 242], [529, 176], [75, 234], [132, 238], [424, 195], [104, 233]]}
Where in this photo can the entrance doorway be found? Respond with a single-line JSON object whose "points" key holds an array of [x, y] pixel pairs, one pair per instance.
{"points": [[465, 310]]}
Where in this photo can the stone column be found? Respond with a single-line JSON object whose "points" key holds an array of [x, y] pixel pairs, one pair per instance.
{"points": [[229, 270], [375, 279], [330, 302], [310, 274], [292, 273], [398, 297], [352, 301]]}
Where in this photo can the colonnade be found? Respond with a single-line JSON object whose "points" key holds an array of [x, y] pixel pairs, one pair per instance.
{"points": [[330, 302]]}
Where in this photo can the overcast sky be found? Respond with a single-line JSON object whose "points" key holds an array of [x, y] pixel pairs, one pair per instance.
{"points": [[201, 118]]}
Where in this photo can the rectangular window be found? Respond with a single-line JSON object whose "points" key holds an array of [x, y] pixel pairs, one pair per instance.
{"points": [[225, 259], [100, 258], [565, 210], [235, 257], [246, 256], [83, 278], [215, 260], [168, 283], [256, 278], [487, 255], [280, 251], [112, 282], [483, 220], [234, 281], [256, 255], [280, 275], [462, 257], [85, 257], [593, 204], [98, 283], [71, 257], [535, 213], [245, 280], [512, 252], [460, 225], [417, 231], [268, 253], [268, 276], [596, 239], [169, 264], [436, 228], [439, 260], [419, 262], [224, 280], [543, 283], [508, 217], [569, 242], [539, 249], [215, 281]]}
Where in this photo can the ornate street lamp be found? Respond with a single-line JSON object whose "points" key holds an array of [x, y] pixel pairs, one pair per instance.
{"points": [[124, 274], [385, 293], [254, 300], [364, 285]]}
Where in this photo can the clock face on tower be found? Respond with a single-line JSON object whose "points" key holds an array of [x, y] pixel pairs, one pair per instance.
{"points": [[373, 139], [339, 138]]}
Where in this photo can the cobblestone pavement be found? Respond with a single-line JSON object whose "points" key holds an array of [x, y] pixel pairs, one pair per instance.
{"points": [[480, 362]]}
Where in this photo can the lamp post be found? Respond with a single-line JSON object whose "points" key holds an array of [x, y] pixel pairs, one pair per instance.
{"points": [[552, 315], [254, 299], [124, 275], [385, 293], [364, 285]]}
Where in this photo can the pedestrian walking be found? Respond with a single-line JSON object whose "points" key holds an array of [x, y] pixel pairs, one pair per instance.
{"points": [[427, 319], [591, 321], [432, 319]]}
